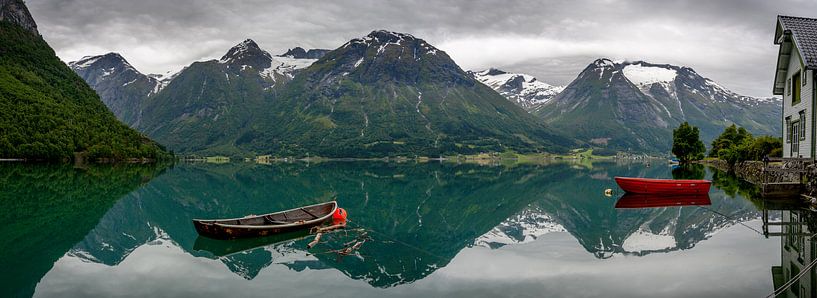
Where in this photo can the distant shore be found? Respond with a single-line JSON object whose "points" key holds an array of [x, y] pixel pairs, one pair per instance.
{"points": [[482, 158]]}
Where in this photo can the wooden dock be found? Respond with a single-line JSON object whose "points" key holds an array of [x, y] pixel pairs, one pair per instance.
{"points": [[791, 171]]}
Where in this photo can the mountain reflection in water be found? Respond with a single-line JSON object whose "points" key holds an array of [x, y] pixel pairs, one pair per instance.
{"points": [[419, 219]]}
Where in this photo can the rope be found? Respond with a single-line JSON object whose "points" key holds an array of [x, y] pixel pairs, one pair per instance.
{"points": [[731, 218], [398, 241], [788, 284]]}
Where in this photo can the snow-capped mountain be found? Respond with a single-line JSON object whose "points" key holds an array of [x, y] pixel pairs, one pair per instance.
{"points": [[248, 56], [635, 106], [129, 93], [120, 86], [401, 94], [521, 89]]}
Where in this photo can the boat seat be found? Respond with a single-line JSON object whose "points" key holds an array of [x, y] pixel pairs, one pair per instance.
{"points": [[272, 221]]}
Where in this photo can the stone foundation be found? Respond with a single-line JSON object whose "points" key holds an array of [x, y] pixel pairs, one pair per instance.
{"points": [[752, 171]]}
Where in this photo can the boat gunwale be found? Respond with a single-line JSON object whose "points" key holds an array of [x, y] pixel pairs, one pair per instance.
{"points": [[320, 219], [654, 180]]}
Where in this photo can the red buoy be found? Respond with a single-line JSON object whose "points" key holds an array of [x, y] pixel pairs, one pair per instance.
{"points": [[339, 215]]}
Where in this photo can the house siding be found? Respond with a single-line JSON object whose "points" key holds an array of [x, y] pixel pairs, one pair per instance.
{"points": [[806, 104]]}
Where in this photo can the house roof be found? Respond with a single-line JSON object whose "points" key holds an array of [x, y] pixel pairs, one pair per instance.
{"points": [[804, 33], [794, 34]]}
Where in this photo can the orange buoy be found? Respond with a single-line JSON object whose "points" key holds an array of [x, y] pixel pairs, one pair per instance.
{"points": [[339, 215]]}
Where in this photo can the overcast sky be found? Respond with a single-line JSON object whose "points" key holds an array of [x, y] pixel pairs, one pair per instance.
{"points": [[729, 41]]}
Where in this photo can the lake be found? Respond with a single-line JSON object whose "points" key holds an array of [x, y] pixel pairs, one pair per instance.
{"points": [[430, 229]]}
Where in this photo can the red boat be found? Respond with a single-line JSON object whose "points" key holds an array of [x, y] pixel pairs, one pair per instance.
{"points": [[631, 200], [663, 186]]}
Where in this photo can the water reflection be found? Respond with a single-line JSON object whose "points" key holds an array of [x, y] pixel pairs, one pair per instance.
{"points": [[419, 217], [795, 276], [47, 209], [688, 171]]}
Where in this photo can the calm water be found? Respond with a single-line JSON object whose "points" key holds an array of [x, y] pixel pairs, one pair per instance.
{"points": [[430, 229]]}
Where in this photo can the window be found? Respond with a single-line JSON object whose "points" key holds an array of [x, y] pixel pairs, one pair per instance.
{"points": [[802, 125], [788, 129], [788, 84], [795, 88]]}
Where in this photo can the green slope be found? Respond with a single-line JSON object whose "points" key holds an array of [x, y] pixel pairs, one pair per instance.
{"points": [[392, 94], [48, 112]]}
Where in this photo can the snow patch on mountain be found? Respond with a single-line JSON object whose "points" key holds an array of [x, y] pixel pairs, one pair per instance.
{"points": [[522, 89], [285, 66], [647, 75], [85, 62], [162, 80]]}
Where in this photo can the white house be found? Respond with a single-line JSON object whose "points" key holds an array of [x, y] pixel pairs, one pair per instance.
{"points": [[794, 80]]}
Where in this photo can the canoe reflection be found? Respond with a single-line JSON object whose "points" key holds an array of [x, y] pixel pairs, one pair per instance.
{"points": [[221, 248], [630, 200]]}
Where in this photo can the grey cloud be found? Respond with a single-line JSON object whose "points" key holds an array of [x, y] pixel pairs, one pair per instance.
{"points": [[729, 41]]}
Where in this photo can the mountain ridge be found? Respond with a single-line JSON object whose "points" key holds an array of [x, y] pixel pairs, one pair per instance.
{"points": [[246, 104], [366, 84], [633, 106], [522, 89]]}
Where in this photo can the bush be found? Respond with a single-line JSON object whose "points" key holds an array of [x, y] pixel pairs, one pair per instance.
{"points": [[737, 145]]}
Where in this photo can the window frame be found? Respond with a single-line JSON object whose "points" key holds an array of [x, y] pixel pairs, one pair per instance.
{"points": [[788, 129], [802, 127], [795, 89]]}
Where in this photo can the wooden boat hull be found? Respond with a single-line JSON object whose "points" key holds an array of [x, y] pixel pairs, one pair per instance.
{"points": [[297, 219], [630, 200], [663, 186]]}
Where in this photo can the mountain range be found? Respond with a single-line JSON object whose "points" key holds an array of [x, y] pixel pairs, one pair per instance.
{"points": [[47, 112], [384, 94], [212, 107]]}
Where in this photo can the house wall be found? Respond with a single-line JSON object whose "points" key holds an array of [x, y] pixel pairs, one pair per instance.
{"points": [[806, 104]]}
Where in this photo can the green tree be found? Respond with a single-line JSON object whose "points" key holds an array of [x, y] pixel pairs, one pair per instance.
{"points": [[731, 136], [735, 145], [687, 144]]}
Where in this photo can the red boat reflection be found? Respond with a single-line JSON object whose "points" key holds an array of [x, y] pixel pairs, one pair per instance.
{"points": [[630, 200]]}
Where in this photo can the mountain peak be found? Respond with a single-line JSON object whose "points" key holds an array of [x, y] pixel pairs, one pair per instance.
{"points": [[383, 38], [389, 36], [295, 52], [111, 60], [603, 63], [492, 72], [248, 53], [16, 12], [300, 53]]}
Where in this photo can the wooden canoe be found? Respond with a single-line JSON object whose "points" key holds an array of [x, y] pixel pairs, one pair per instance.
{"points": [[267, 224], [631, 200], [663, 186]]}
